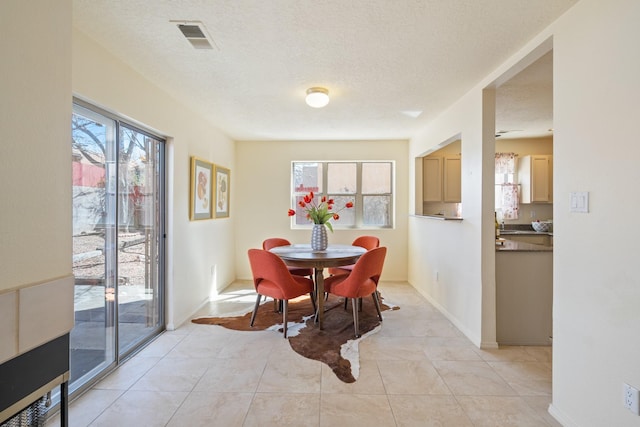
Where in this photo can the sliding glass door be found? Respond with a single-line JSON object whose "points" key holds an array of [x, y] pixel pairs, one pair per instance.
{"points": [[118, 229], [139, 238]]}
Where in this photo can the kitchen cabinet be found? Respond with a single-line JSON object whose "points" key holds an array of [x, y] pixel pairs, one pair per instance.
{"points": [[452, 185], [442, 179], [432, 179], [524, 297], [535, 176]]}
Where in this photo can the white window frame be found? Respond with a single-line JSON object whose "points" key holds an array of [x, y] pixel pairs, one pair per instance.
{"points": [[358, 195]]}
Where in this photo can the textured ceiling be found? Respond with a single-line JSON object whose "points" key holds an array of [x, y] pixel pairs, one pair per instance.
{"points": [[524, 104], [379, 59]]}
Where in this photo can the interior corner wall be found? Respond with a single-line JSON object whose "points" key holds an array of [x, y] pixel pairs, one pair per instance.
{"points": [[263, 203], [200, 254], [596, 311]]}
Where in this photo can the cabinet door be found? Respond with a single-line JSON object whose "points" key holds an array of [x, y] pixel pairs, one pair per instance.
{"points": [[540, 182], [452, 179], [432, 179], [535, 175]]}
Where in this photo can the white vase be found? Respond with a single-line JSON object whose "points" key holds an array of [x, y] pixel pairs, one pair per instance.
{"points": [[319, 240]]}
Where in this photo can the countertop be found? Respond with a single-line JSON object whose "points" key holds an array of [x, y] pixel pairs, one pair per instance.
{"points": [[526, 232], [514, 246], [439, 217]]}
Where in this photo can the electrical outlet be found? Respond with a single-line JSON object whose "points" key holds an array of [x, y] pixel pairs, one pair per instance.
{"points": [[631, 398]]}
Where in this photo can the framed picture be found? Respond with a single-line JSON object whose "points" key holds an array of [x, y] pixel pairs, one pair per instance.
{"points": [[200, 195], [222, 192]]}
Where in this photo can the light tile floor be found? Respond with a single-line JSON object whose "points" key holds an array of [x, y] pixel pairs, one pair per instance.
{"points": [[418, 370]]}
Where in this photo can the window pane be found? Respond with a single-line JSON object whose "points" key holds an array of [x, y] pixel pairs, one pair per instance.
{"points": [[376, 178], [347, 215], [376, 210], [369, 184], [94, 150], [301, 213], [498, 197], [342, 178], [505, 178], [139, 266], [307, 177]]}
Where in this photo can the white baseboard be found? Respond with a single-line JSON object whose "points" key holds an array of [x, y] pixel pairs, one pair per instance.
{"points": [[175, 325], [453, 319], [490, 345], [561, 417]]}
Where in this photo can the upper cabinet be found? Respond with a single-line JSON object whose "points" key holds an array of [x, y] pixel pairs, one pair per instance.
{"points": [[535, 176], [441, 179], [432, 179], [452, 185]]}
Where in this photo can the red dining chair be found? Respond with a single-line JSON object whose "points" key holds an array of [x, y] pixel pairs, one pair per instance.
{"points": [[277, 241], [367, 242], [273, 242], [272, 279], [362, 281]]}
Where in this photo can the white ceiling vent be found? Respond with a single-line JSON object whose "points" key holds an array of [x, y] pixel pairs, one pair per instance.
{"points": [[196, 33]]}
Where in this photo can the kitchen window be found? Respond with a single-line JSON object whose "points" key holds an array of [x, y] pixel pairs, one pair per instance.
{"points": [[507, 189], [367, 184]]}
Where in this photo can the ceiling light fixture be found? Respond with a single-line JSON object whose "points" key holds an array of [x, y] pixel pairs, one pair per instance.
{"points": [[317, 97]]}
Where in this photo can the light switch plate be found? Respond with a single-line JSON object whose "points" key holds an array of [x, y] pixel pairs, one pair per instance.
{"points": [[579, 201]]}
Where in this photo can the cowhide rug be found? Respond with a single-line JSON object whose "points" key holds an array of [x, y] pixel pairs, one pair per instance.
{"points": [[334, 345]]}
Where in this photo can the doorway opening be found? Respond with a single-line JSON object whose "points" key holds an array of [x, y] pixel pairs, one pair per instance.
{"points": [[524, 194]]}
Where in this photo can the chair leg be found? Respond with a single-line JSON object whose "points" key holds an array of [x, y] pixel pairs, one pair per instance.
{"points": [[346, 301], [377, 304], [255, 309], [354, 305], [313, 301], [285, 305]]}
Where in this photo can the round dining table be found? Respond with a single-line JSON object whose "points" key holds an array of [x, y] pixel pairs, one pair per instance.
{"points": [[301, 255]]}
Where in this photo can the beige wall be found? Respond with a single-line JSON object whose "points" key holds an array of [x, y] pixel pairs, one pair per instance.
{"points": [[596, 281], [36, 292], [263, 182], [525, 146], [200, 254], [35, 161]]}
